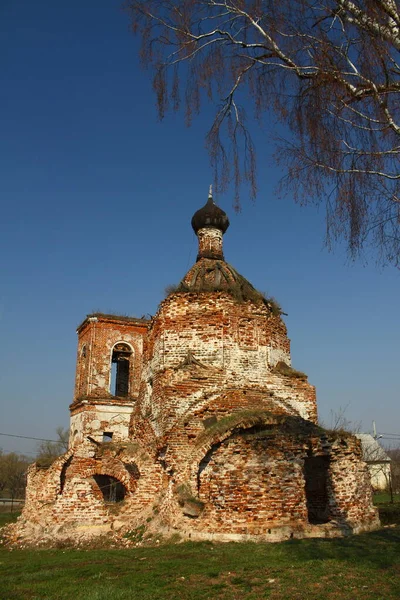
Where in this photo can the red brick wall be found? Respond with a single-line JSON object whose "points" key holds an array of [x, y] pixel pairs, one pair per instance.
{"points": [[233, 346]]}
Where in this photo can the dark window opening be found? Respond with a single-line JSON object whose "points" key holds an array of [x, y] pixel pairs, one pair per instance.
{"points": [[161, 454], [107, 436], [120, 370], [316, 469], [63, 474], [112, 489]]}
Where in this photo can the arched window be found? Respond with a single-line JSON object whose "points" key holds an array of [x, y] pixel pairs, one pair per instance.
{"points": [[120, 369], [111, 488]]}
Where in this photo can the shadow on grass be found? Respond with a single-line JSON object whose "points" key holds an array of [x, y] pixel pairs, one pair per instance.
{"points": [[389, 513], [379, 548]]}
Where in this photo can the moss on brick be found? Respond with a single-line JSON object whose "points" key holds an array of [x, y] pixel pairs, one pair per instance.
{"points": [[283, 369], [245, 418], [203, 280]]}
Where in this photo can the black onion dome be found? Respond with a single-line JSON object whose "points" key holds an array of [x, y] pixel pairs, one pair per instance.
{"points": [[210, 216]]}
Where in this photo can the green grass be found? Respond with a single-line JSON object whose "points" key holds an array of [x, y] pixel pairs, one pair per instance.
{"points": [[8, 517], [365, 567], [385, 498]]}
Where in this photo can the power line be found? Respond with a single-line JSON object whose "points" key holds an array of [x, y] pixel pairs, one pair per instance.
{"points": [[25, 437]]}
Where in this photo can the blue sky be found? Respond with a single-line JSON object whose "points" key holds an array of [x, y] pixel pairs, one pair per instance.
{"points": [[96, 200]]}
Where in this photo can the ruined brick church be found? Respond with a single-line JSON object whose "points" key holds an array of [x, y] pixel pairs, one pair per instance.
{"points": [[194, 422]]}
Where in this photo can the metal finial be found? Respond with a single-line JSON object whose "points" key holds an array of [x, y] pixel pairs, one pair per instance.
{"points": [[210, 192]]}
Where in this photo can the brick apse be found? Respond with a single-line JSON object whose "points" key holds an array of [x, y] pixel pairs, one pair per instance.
{"points": [[195, 422]]}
